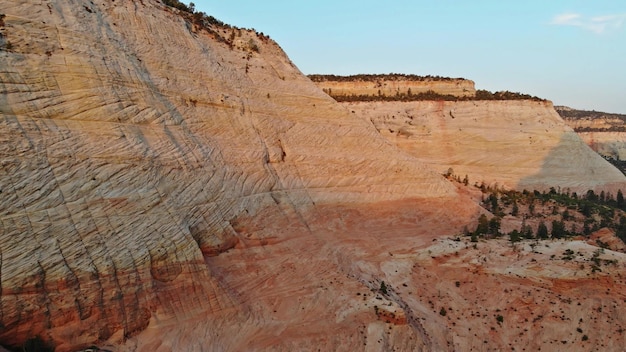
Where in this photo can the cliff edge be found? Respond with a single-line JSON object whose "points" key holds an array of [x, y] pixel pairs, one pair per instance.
{"points": [[510, 139], [139, 142], [172, 183]]}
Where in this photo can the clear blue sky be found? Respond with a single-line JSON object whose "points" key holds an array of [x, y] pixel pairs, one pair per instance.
{"points": [[571, 52]]}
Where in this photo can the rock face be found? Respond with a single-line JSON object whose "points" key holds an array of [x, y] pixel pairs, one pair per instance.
{"points": [[519, 144], [165, 187], [136, 146], [603, 132], [608, 144], [390, 87]]}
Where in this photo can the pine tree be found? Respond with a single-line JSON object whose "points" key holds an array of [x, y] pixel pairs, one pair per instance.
{"points": [[483, 225], [383, 288], [558, 229], [515, 210], [621, 228], [494, 226], [542, 231]]}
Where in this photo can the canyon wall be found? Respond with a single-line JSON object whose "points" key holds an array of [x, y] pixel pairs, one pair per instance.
{"points": [[168, 185], [138, 145], [603, 132], [379, 87], [519, 144], [608, 144]]}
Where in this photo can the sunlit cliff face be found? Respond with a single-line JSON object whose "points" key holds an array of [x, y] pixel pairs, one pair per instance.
{"points": [[171, 187]]}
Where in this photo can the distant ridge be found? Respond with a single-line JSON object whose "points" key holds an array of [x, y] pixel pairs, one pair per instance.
{"points": [[379, 77], [407, 87], [592, 121], [570, 113]]}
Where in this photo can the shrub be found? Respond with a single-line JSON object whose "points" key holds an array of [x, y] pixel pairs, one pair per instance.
{"points": [[378, 77], [253, 45], [542, 231], [383, 288], [179, 5], [515, 236]]}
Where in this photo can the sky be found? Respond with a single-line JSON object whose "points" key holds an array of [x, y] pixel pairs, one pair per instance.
{"points": [[571, 52]]}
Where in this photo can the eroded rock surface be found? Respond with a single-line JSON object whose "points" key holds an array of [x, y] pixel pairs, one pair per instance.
{"points": [[391, 86], [603, 132], [169, 188], [519, 144], [135, 146]]}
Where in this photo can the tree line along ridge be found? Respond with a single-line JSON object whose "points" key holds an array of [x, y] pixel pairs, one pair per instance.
{"points": [[432, 95], [211, 25]]}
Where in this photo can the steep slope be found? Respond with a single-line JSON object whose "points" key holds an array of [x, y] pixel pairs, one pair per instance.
{"points": [[169, 187], [138, 147], [603, 132], [515, 143]]}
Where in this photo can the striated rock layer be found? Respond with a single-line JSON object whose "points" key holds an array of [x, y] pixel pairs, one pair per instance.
{"points": [[137, 145], [170, 188], [520, 144], [455, 87], [607, 144], [603, 132]]}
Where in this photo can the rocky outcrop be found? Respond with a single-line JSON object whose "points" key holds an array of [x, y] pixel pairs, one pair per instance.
{"points": [[168, 187], [605, 133], [608, 144], [518, 144], [391, 87], [137, 147]]}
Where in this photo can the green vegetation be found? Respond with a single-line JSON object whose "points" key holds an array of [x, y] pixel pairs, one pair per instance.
{"points": [[616, 122], [409, 96], [504, 95], [568, 214], [574, 114], [619, 164], [379, 77], [211, 25], [431, 95], [179, 5], [199, 18], [613, 128], [443, 312], [568, 254], [383, 288]]}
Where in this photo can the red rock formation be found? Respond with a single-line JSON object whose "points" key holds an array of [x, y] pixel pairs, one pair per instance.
{"points": [[518, 144], [137, 147], [166, 190]]}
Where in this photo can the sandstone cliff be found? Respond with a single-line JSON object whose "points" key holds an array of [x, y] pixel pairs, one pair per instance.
{"points": [[390, 85], [171, 188], [603, 132], [518, 144], [135, 145]]}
